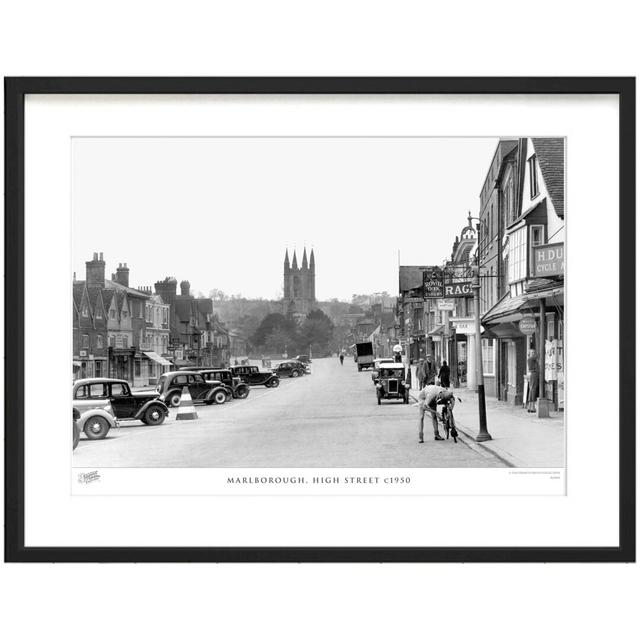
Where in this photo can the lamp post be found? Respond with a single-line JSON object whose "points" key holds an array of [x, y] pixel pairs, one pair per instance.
{"points": [[483, 433]]}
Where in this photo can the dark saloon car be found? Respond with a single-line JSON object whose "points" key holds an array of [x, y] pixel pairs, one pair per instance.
{"points": [[98, 393], [253, 376], [238, 388], [290, 369], [170, 387]]}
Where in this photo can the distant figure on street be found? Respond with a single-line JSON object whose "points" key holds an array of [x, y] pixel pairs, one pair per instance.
{"points": [[420, 373], [429, 371], [533, 379], [397, 357], [235, 361], [342, 358], [428, 400], [445, 375]]}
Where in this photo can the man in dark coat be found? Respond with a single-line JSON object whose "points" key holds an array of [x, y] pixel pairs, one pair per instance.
{"points": [[429, 370]]}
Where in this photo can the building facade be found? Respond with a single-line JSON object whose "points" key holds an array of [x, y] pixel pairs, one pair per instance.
{"points": [[529, 188]]}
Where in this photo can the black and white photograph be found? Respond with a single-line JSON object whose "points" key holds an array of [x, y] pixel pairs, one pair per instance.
{"points": [[318, 302]]}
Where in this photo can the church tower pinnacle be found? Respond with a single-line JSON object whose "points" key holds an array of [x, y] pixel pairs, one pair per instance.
{"points": [[286, 261], [294, 264], [305, 264]]}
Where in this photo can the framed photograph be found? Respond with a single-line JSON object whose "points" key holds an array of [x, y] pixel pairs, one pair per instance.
{"points": [[320, 319]]}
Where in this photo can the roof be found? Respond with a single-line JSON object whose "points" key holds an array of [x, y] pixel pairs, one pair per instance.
{"points": [[550, 153], [97, 381], [111, 284]]}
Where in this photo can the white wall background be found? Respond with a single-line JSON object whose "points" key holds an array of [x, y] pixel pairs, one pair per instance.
{"points": [[328, 38]]}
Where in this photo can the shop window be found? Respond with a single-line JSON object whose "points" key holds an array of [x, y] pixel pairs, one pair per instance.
{"points": [[487, 356], [125, 342], [98, 368], [99, 343], [518, 255]]}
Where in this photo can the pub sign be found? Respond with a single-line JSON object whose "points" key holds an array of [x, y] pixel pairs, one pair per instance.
{"points": [[458, 290], [433, 282]]}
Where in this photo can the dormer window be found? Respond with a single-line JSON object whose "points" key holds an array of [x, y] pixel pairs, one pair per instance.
{"points": [[85, 311]]}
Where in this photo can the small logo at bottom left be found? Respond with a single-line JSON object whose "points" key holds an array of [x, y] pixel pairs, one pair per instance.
{"points": [[89, 476]]}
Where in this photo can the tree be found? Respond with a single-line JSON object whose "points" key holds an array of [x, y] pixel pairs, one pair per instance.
{"points": [[278, 341], [317, 330], [269, 324]]}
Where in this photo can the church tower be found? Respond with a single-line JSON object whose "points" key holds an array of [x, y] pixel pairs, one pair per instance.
{"points": [[299, 284]]}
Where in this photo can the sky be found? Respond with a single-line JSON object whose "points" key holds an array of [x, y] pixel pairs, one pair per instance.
{"points": [[220, 212]]}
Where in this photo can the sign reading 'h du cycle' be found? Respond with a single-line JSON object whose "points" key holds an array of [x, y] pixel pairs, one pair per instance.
{"points": [[548, 260]]}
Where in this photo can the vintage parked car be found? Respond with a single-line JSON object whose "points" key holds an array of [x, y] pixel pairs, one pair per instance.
{"points": [[170, 388], [290, 369], [390, 382], [238, 388], [100, 393], [252, 375], [376, 367], [94, 422]]}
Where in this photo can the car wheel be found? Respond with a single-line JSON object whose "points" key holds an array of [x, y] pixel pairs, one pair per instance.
{"points": [[219, 396], [294, 374], [153, 416], [174, 400], [273, 383], [96, 428], [242, 392]]}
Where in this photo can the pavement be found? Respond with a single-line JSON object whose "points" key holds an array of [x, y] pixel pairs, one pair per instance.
{"points": [[328, 419], [519, 438]]}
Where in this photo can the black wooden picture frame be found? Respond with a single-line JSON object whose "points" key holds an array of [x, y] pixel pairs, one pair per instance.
{"points": [[15, 91]]}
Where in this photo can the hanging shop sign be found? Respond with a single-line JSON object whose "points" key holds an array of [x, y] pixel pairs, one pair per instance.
{"points": [[527, 326], [458, 290], [446, 305], [548, 260], [433, 282]]}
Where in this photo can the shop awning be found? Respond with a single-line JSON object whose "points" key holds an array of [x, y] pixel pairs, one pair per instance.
{"points": [[506, 310], [152, 355]]}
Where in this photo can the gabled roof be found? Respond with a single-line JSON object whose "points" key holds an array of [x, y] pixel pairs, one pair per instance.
{"points": [[550, 154], [78, 291], [136, 293], [107, 296]]}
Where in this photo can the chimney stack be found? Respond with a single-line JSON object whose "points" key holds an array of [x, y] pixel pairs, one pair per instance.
{"points": [[122, 274], [185, 285], [95, 272], [166, 289]]}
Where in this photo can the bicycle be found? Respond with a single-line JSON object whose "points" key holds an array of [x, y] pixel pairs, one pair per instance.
{"points": [[448, 421]]}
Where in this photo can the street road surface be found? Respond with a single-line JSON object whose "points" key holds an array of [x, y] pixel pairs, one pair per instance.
{"points": [[327, 419]]}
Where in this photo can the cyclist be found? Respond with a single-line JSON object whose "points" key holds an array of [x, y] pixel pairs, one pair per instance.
{"points": [[428, 400]]}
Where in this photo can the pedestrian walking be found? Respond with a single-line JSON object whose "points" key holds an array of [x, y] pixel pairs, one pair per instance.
{"points": [[420, 373], [428, 400], [342, 358], [533, 381], [444, 375], [429, 369]]}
